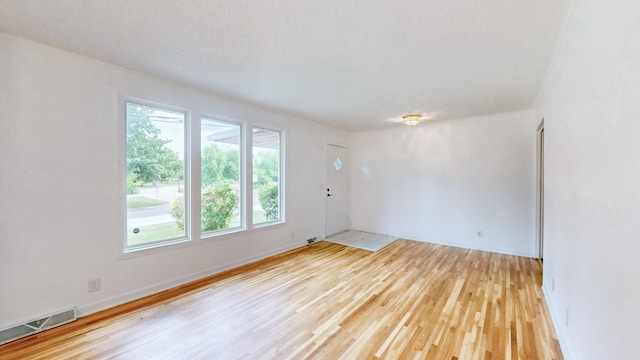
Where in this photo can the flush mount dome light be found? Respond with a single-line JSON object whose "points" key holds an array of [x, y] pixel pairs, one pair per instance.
{"points": [[412, 119]]}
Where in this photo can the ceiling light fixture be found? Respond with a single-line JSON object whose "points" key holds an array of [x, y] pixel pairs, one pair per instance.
{"points": [[412, 119]]}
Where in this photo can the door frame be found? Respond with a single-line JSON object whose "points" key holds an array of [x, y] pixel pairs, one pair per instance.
{"points": [[348, 199], [540, 189]]}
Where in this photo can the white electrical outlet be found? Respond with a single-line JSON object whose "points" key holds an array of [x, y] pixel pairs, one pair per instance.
{"points": [[94, 285], [480, 233], [553, 284]]}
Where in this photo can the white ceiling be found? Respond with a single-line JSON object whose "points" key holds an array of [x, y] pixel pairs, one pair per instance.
{"points": [[352, 64]]}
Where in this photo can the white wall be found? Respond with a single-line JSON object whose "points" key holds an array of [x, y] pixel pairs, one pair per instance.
{"points": [[61, 180], [591, 106], [443, 181]]}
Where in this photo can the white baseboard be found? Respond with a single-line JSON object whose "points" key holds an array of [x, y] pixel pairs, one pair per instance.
{"points": [[472, 247], [463, 245], [103, 304], [558, 325]]}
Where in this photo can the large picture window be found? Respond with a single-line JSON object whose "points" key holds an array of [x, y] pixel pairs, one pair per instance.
{"points": [[221, 180], [267, 184], [159, 199], [157, 208]]}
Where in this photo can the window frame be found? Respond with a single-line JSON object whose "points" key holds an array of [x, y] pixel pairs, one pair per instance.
{"points": [[192, 133], [204, 235], [188, 229], [281, 177]]}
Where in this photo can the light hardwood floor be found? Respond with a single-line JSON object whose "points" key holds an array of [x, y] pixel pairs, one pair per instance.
{"points": [[410, 300]]}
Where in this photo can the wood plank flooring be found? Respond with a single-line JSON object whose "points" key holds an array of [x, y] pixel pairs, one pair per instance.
{"points": [[410, 300]]}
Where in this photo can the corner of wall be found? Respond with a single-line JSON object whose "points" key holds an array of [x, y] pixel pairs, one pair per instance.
{"points": [[560, 330]]}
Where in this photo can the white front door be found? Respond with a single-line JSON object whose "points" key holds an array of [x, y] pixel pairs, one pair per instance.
{"points": [[337, 191]]}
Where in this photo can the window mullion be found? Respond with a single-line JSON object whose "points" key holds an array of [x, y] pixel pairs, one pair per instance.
{"points": [[249, 176]]}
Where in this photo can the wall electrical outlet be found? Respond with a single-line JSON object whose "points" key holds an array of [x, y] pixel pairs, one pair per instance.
{"points": [[553, 284], [480, 233], [94, 285]]}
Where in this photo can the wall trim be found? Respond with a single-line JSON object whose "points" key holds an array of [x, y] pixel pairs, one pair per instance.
{"points": [[470, 246], [557, 325], [90, 308]]}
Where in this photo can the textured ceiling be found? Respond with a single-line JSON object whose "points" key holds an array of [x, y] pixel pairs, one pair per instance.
{"points": [[352, 64]]}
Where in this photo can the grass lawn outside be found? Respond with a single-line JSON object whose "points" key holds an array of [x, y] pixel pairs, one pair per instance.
{"points": [[258, 218], [137, 201], [160, 184], [156, 232], [150, 233], [234, 222]]}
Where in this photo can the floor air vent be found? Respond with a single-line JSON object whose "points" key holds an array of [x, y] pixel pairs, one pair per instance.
{"points": [[37, 325]]}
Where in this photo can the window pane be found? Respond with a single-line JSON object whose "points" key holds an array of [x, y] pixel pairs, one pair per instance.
{"points": [[221, 171], [155, 175], [266, 175]]}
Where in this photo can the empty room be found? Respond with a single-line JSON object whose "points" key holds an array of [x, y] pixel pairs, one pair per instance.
{"points": [[319, 179]]}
